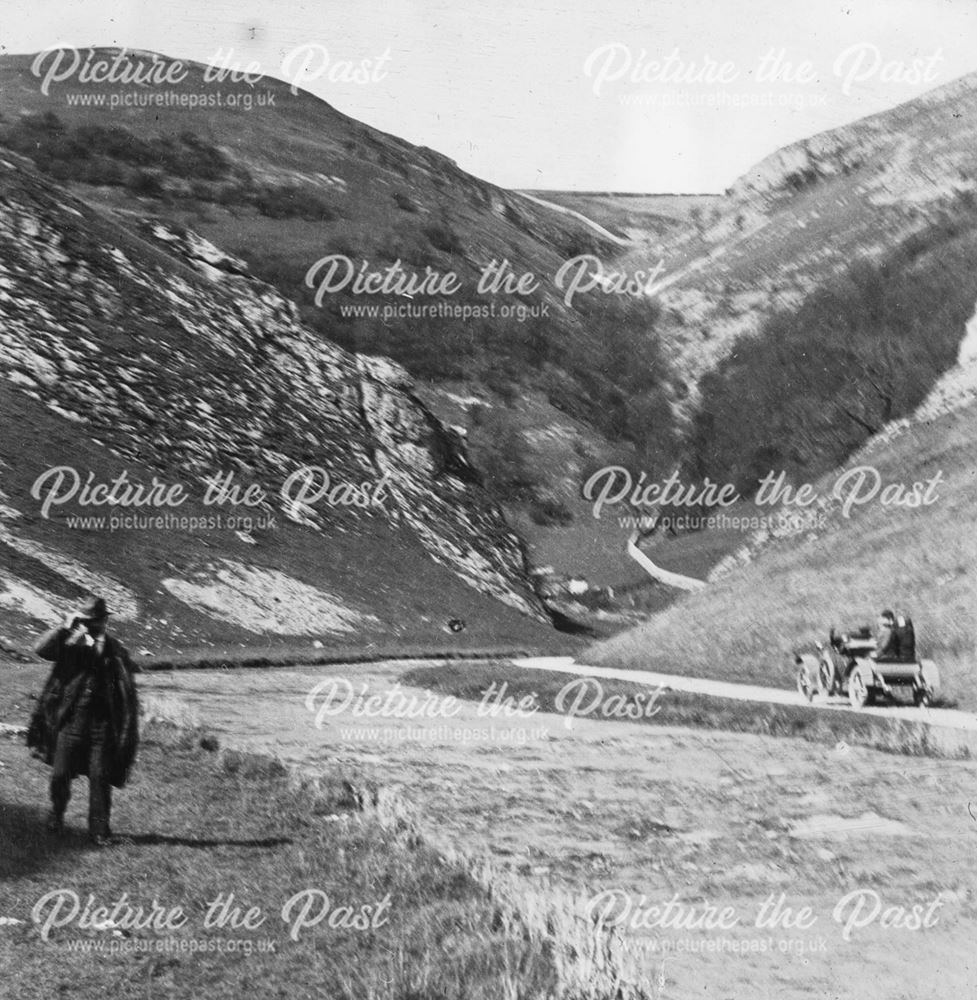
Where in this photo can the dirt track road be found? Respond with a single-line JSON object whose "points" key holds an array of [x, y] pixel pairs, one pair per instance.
{"points": [[710, 818], [942, 717], [580, 217]]}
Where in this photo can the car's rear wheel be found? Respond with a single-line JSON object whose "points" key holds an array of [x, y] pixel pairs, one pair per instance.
{"points": [[805, 683]]}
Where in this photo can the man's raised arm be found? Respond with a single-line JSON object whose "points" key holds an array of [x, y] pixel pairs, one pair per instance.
{"points": [[49, 645]]}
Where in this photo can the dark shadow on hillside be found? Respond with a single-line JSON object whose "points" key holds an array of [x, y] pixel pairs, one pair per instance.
{"points": [[564, 623]]}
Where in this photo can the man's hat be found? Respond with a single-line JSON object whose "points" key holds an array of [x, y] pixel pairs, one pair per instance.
{"points": [[95, 608], [888, 615]]}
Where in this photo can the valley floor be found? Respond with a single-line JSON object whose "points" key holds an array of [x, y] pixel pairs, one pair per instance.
{"points": [[755, 825], [713, 818]]}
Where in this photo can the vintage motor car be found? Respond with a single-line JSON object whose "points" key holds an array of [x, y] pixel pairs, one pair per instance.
{"points": [[845, 666]]}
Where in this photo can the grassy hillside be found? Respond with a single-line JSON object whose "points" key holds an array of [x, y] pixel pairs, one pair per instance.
{"points": [[44, 556], [817, 381], [152, 354], [798, 219], [845, 257], [649, 218], [746, 626], [284, 186], [802, 394]]}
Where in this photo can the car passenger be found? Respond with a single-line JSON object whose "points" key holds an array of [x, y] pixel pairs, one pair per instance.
{"points": [[887, 642], [897, 639], [906, 638]]}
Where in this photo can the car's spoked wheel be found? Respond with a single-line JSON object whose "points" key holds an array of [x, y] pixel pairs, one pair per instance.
{"points": [[857, 691]]}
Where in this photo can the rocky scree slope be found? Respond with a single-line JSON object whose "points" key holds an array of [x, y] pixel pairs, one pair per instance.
{"points": [[162, 351], [803, 215]]}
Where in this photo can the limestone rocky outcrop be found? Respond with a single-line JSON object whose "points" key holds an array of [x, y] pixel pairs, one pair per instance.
{"points": [[159, 345]]}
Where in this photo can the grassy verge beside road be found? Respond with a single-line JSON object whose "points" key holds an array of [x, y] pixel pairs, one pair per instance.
{"points": [[231, 659], [918, 559], [611, 699]]}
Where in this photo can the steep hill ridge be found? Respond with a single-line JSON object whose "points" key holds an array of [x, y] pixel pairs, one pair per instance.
{"points": [[804, 214], [546, 387], [152, 352]]}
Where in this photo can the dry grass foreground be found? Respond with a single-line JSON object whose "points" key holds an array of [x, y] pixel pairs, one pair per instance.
{"points": [[711, 818], [202, 822], [656, 811], [717, 819]]}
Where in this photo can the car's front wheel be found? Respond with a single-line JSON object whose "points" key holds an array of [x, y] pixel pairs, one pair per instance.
{"points": [[805, 684], [807, 673]]}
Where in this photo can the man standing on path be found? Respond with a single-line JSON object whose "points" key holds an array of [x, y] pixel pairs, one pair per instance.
{"points": [[86, 720]]}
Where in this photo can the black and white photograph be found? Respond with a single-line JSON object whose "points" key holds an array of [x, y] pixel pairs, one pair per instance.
{"points": [[487, 500]]}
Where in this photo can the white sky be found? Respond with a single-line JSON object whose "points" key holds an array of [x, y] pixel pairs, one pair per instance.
{"points": [[501, 86]]}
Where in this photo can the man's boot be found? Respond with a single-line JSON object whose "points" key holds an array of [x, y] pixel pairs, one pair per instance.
{"points": [[55, 823], [98, 819]]}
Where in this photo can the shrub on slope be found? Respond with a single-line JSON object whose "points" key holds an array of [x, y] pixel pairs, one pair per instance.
{"points": [[816, 383]]}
